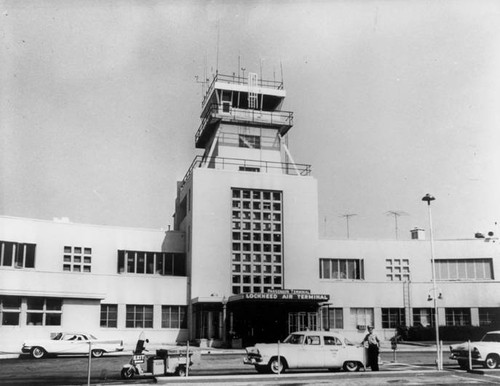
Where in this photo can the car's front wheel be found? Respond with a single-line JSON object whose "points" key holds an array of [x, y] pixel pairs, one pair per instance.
{"points": [[97, 353], [277, 366], [351, 366], [491, 361], [38, 352]]}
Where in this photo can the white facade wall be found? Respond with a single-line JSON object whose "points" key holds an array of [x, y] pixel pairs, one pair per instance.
{"points": [[84, 292]]}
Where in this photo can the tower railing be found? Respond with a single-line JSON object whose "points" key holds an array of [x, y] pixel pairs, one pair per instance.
{"points": [[234, 114], [240, 80], [248, 165]]}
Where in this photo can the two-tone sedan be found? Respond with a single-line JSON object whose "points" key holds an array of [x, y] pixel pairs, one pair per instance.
{"points": [[486, 352], [69, 343], [307, 349]]}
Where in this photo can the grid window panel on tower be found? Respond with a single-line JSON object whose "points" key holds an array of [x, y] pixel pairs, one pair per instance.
{"points": [[257, 234]]}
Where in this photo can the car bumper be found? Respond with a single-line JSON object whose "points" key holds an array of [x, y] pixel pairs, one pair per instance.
{"points": [[252, 360]]}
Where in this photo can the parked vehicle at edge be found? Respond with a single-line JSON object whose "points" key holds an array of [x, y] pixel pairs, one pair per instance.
{"points": [[307, 349], [65, 343], [485, 352]]}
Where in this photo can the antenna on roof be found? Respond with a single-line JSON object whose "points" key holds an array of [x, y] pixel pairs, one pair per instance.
{"points": [[347, 216], [396, 214], [239, 66], [281, 66], [217, 58]]}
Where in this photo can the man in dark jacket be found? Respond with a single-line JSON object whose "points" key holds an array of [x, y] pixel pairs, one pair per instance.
{"points": [[371, 340]]}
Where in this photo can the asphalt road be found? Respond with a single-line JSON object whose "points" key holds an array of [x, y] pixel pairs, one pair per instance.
{"points": [[409, 368]]}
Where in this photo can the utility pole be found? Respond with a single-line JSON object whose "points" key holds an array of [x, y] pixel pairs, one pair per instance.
{"points": [[347, 216], [396, 214]]}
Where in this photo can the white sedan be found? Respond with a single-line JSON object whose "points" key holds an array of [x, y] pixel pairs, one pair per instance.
{"points": [[65, 343], [307, 349], [485, 352]]}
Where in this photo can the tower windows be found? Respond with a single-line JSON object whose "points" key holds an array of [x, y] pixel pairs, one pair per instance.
{"points": [[256, 231]]}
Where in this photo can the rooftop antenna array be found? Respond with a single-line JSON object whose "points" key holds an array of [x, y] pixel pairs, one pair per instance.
{"points": [[347, 216], [396, 214]]}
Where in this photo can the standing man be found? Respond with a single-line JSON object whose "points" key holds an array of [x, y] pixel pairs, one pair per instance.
{"points": [[373, 343]]}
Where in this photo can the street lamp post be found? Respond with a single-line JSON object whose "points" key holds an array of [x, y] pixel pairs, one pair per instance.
{"points": [[428, 198]]}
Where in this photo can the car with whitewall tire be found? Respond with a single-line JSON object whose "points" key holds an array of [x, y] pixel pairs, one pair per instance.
{"points": [[485, 352], [69, 343], [307, 350]]}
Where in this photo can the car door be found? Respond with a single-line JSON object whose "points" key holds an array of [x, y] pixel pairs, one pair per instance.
{"points": [[333, 352], [311, 352], [78, 345]]}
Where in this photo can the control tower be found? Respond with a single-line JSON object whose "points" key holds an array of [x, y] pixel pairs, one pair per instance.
{"points": [[248, 211]]}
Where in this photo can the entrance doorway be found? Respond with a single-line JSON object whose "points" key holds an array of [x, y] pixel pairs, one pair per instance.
{"points": [[301, 321]]}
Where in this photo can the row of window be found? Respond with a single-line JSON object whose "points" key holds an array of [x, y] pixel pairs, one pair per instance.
{"points": [[161, 263], [394, 317], [18, 255], [399, 269], [40, 311], [141, 316]]}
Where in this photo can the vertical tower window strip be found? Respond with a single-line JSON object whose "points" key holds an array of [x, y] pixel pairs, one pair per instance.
{"points": [[257, 250]]}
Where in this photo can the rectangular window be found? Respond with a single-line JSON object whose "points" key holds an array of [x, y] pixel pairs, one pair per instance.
{"points": [[173, 317], [149, 263], [10, 310], [139, 316], [464, 269], [362, 317], [423, 317], [43, 311], [393, 317], [77, 259], [488, 315], [249, 141], [109, 315], [333, 318], [18, 255], [341, 269], [457, 316]]}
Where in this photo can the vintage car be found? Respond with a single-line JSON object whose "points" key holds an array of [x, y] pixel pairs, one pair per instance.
{"points": [[485, 352], [66, 343], [307, 349]]}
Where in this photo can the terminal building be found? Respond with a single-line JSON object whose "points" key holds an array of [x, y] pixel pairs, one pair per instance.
{"points": [[244, 262]]}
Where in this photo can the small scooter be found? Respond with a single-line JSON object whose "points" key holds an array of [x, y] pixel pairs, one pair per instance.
{"points": [[138, 358]]}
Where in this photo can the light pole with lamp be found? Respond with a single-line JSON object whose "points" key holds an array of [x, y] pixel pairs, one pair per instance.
{"points": [[428, 198]]}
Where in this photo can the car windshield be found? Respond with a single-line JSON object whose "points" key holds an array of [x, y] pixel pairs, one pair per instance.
{"points": [[491, 338], [57, 337], [294, 339], [348, 342]]}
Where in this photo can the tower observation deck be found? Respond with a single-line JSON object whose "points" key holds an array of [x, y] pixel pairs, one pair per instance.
{"points": [[243, 127]]}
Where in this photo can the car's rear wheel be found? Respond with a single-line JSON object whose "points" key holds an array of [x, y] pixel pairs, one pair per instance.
{"points": [[277, 366], [491, 361], [97, 353], [351, 366], [38, 352], [464, 365]]}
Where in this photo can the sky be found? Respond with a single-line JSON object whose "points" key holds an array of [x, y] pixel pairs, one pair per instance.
{"points": [[391, 100]]}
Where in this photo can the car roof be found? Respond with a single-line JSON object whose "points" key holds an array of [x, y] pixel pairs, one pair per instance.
{"points": [[494, 332], [309, 332]]}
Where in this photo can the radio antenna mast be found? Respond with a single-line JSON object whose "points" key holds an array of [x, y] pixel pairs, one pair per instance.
{"points": [[396, 214], [347, 216]]}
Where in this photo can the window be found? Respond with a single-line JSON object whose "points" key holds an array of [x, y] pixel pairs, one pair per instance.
{"points": [[333, 318], [457, 316], [423, 317], [161, 263], [173, 317], [393, 317], [249, 141], [10, 310], [43, 311], [109, 315], [464, 269], [362, 317], [397, 269], [341, 269], [332, 341], [257, 232], [488, 316], [139, 316], [77, 259], [18, 255]]}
